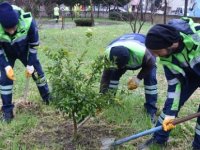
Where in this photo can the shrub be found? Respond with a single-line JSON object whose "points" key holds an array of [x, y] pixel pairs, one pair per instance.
{"points": [[83, 22], [120, 16], [115, 16], [75, 84], [75, 89]]}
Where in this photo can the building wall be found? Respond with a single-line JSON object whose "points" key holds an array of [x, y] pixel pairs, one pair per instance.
{"points": [[173, 4]]}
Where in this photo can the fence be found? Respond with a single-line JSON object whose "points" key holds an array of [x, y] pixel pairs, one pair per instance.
{"points": [[157, 18]]}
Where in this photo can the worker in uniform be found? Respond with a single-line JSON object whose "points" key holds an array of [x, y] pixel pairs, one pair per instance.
{"points": [[18, 39], [177, 46], [128, 52]]}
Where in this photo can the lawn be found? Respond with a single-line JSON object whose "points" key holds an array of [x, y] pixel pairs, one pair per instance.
{"points": [[44, 127]]}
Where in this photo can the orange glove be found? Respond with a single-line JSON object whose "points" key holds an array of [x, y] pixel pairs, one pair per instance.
{"points": [[10, 73], [29, 71], [168, 124], [133, 83]]}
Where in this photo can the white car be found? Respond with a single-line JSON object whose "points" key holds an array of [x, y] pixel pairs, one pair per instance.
{"points": [[118, 9]]}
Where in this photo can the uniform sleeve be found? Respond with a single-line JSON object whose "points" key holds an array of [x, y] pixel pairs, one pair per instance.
{"points": [[33, 42], [147, 64], [173, 92], [3, 60]]}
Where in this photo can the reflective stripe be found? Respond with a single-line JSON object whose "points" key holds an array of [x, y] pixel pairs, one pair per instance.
{"points": [[160, 120], [113, 86], [43, 79], [32, 50], [162, 115], [114, 82], [34, 43], [173, 81], [198, 126], [195, 61], [6, 87], [176, 96], [41, 84], [150, 87], [1, 51], [197, 131], [169, 117], [184, 64], [173, 95], [3, 40], [151, 92], [176, 72], [6, 92], [19, 39]]}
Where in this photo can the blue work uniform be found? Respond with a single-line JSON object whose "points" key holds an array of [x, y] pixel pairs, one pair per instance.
{"points": [[139, 58], [20, 46], [182, 71]]}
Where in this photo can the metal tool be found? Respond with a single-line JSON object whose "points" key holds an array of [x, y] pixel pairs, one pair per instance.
{"points": [[26, 89], [108, 143]]}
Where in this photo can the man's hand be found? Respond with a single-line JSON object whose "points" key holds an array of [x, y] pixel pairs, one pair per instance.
{"points": [[168, 124], [133, 83], [29, 71], [10, 73]]}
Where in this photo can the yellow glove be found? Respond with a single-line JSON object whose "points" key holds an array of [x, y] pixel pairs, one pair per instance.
{"points": [[29, 71], [133, 83], [168, 124], [10, 73]]}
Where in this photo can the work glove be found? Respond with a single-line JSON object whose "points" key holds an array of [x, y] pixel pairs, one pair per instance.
{"points": [[10, 72], [168, 124], [29, 71], [133, 83]]}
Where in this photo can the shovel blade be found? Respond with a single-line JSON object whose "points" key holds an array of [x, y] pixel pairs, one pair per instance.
{"points": [[107, 143]]}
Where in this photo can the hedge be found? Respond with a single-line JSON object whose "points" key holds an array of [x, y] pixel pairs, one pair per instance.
{"points": [[83, 22]]}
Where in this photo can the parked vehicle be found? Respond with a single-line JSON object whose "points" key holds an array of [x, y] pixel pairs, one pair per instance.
{"points": [[118, 9]]}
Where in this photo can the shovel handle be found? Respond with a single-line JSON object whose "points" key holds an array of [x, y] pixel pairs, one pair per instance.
{"points": [[189, 117], [152, 130], [26, 88]]}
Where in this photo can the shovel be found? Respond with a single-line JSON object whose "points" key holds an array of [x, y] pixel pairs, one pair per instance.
{"points": [[26, 89], [108, 143], [23, 103]]}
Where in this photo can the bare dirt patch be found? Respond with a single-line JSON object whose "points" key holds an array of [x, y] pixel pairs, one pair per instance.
{"points": [[54, 132]]}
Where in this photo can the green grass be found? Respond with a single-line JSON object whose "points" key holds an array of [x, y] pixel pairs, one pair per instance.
{"points": [[129, 118]]}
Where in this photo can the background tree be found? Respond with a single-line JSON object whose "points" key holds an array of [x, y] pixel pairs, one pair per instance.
{"points": [[136, 18], [92, 15], [165, 12]]}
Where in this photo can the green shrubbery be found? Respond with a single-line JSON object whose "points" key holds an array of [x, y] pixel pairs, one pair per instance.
{"points": [[75, 85], [120, 16], [83, 22]]}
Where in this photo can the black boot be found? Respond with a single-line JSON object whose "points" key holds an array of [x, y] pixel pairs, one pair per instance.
{"points": [[153, 119], [151, 142], [47, 99], [7, 117]]}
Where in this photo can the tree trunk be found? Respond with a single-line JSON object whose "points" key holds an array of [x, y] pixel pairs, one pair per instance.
{"points": [[185, 8], [63, 20], [92, 15], [98, 10], [71, 13], [165, 11], [75, 125]]}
